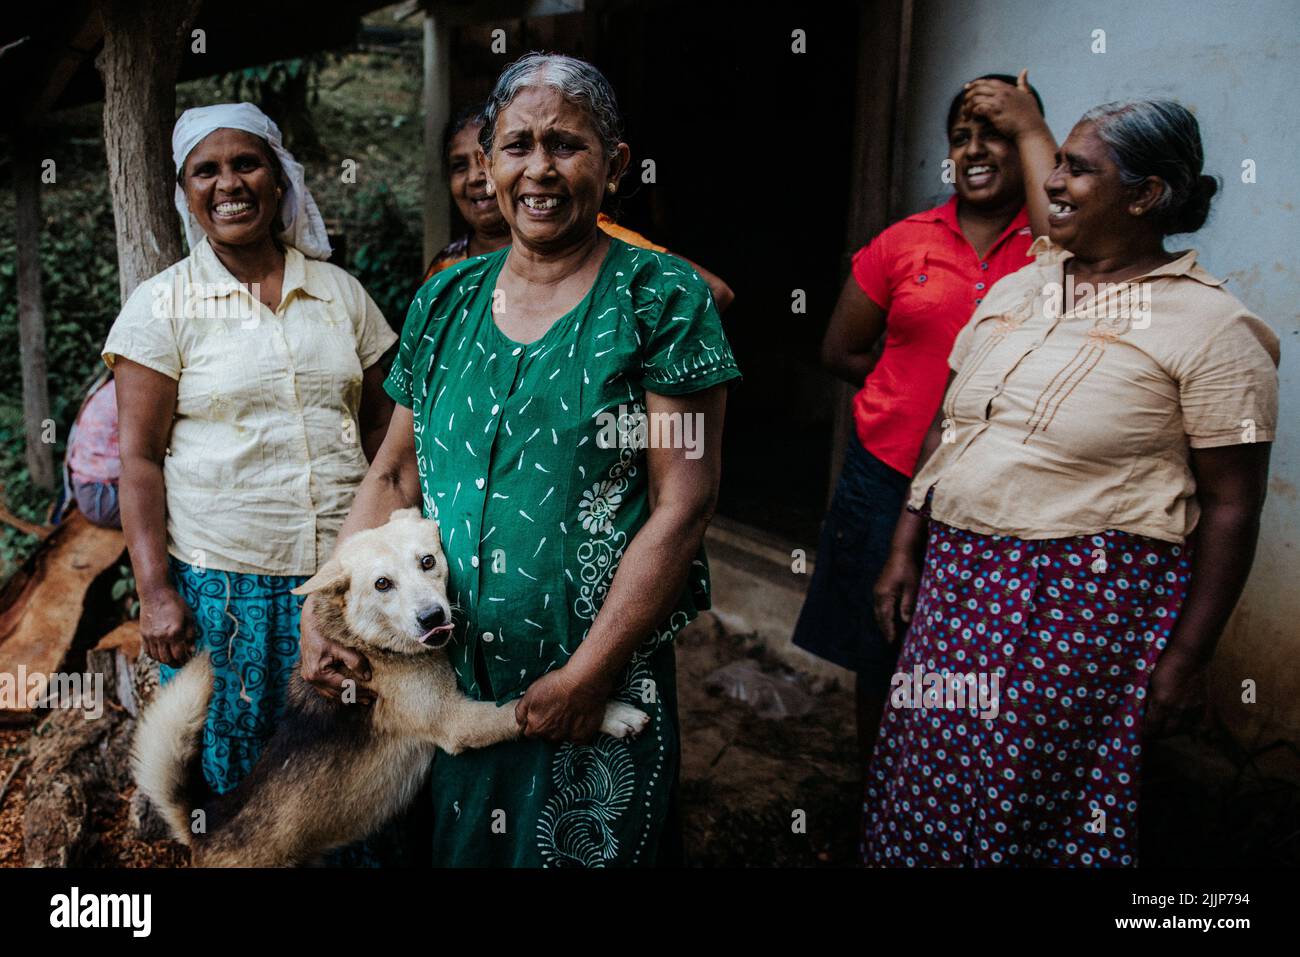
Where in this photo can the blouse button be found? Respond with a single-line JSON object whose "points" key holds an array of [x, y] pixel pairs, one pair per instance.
{"points": [[487, 636], [496, 409], [979, 300], [922, 278], [979, 285], [516, 351], [984, 265], [473, 560]]}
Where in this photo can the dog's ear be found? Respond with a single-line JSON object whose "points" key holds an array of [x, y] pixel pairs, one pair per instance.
{"points": [[405, 513], [331, 573]]}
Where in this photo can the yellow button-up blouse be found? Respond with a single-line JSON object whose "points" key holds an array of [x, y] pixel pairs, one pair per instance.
{"points": [[265, 451]]}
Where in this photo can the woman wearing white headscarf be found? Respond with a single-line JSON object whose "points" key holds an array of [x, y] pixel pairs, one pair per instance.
{"points": [[249, 401]]}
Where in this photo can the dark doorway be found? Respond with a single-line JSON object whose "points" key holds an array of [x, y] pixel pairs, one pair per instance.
{"points": [[752, 145]]}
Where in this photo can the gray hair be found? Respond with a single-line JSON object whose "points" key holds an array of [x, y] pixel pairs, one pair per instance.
{"points": [[1159, 138], [578, 82]]}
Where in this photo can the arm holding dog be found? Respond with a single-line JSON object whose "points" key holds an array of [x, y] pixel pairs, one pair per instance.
{"points": [[146, 403], [568, 704], [392, 482]]}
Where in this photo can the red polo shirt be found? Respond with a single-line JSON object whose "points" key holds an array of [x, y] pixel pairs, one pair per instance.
{"points": [[928, 279]]}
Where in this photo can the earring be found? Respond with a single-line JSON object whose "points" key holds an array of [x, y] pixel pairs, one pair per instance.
{"points": [[612, 186], [1137, 210], [491, 190]]}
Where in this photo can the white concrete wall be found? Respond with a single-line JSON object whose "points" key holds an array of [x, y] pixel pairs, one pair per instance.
{"points": [[1237, 66]]}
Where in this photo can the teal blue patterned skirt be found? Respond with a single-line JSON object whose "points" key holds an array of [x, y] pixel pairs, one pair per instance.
{"points": [[249, 625]]}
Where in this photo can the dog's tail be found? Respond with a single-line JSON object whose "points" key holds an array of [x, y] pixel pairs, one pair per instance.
{"points": [[167, 742]]}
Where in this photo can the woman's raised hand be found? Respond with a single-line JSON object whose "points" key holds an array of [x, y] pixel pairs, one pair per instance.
{"points": [[166, 627], [333, 670], [1012, 110]]}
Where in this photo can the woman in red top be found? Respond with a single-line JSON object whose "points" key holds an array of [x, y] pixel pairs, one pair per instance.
{"points": [[911, 290]]}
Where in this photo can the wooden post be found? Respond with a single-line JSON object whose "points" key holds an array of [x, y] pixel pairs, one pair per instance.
{"points": [[885, 37], [31, 308], [143, 44], [437, 111]]}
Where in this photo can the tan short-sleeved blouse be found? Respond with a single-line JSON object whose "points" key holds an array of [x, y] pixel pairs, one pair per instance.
{"points": [[1070, 424], [265, 452]]}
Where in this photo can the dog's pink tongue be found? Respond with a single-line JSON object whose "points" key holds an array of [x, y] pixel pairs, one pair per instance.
{"points": [[440, 630]]}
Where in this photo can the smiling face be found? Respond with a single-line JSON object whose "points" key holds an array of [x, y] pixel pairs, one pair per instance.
{"points": [[230, 185], [986, 163], [550, 169], [468, 182], [1089, 202]]}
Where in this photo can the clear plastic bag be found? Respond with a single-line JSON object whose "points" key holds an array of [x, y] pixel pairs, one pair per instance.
{"points": [[770, 695]]}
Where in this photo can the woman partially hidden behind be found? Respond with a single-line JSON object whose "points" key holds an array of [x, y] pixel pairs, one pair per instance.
{"points": [[1092, 493]]}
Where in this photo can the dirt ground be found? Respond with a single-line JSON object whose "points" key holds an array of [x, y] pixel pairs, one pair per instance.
{"points": [[763, 792]]}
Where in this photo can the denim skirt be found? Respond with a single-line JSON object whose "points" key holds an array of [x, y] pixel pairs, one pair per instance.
{"points": [[838, 620]]}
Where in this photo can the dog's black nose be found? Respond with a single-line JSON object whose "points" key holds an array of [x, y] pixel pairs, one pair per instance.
{"points": [[432, 617]]}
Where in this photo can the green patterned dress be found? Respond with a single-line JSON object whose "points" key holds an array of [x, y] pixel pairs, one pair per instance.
{"points": [[531, 458]]}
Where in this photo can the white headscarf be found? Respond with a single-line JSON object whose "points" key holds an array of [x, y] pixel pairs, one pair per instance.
{"points": [[303, 227]]}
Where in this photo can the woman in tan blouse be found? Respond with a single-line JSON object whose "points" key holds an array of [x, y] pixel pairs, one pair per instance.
{"points": [[1086, 511]]}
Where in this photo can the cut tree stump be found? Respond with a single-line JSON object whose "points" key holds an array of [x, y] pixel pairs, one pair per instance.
{"points": [[119, 653], [115, 657], [37, 628], [77, 764]]}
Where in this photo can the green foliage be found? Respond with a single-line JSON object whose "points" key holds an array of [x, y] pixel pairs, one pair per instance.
{"points": [[387, 257], [124, 591], [79, 271]]}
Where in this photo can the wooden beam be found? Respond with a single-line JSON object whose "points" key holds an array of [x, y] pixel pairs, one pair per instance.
{"points": [[437, 111], [31, 307], [885, 37], [87, 29]]}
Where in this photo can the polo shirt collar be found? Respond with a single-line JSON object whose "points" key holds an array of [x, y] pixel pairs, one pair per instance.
{"points": [[216, 280], [946, 213]]}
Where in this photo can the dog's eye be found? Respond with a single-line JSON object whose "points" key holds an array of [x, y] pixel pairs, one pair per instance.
{"points": [[427, 562], [382, 584]]}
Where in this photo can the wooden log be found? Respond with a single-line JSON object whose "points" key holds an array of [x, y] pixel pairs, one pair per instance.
{"points": [[115, 657], [136, 681], [37, 631], [77, 762]]}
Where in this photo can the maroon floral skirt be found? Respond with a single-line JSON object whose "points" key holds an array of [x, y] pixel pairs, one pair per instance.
{"points": [[1013, 733]]}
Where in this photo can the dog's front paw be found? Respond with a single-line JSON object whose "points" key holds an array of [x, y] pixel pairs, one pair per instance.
{"points": [[623, 720]]}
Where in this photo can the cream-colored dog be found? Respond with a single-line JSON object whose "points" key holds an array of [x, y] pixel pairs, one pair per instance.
{"points": [[335, 772]]}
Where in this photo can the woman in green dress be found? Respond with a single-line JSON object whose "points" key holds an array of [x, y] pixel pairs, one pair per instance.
{"points": [[559, 413]]}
